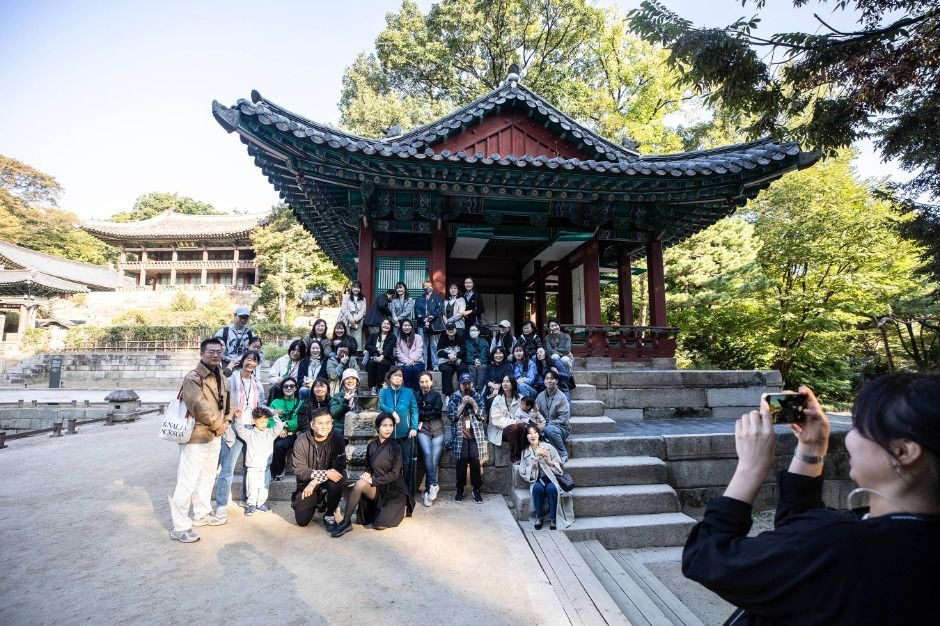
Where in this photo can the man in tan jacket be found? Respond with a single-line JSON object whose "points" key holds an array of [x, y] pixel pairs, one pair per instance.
{"points": [[205, 394]]}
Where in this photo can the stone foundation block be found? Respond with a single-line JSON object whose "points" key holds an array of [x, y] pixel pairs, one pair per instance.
{"points": [[655, 398]]}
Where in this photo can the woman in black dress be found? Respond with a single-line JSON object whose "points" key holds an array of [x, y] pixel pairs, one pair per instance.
{"points": [[380, 497]]}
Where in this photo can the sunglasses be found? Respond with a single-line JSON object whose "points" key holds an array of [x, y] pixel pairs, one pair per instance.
{"points": [[289, 387]]}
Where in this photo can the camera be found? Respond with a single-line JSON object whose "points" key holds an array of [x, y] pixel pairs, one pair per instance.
{"points": [[787, 407]]}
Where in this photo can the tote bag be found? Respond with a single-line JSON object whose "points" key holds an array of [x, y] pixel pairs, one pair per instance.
{"points": [[177, 424]]}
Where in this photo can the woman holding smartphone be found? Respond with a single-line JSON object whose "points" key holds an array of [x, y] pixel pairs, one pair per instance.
{"points": [[540, 467], [820, 565]]}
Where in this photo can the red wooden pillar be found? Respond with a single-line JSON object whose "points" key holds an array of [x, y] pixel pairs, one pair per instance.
{"points": [[592, 284], [366, 271], [657, 281], [625, 285], [565, 303], [439, 261], [539, 301]]}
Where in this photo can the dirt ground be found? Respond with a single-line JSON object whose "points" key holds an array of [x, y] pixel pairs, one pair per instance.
{"points": [[85, 525]]}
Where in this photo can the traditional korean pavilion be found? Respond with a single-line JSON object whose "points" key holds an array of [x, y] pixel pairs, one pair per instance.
{"points": [[179, 251], [509, 190]]}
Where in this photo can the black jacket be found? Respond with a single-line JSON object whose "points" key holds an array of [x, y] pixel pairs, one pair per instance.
{"points": [[308, 409], [445, 343], [304, 465], [818, 565], [496, 373], [531, 343], [387, 349], [430, 413], [474, 303], [377, 312]]}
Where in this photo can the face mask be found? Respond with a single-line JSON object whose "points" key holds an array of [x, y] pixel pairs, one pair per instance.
{"points": [[474, 333], [427, 291]]}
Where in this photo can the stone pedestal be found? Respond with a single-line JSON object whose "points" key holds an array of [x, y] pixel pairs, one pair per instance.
{"points": [[359, 430], [125, 405]]}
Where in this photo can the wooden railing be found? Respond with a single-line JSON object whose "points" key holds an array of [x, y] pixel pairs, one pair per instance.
{"points": [[622, 343]]}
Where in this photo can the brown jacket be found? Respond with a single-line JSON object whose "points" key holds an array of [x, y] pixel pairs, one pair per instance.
{"points": [[201, 397]]}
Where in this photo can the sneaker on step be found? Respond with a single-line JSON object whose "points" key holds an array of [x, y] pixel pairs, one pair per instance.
{"points": [[329, 524], [477, 497], [427, 499], [263, 508], [184, 536], [435, 489], [211, 520], [458, 497], [251, 510]]}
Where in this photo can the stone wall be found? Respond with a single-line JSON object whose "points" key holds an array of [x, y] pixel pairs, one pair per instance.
{"points": [[699, 468], [658, 394], [17, 417]]}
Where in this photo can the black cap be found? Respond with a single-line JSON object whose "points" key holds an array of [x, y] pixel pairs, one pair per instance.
{"points": [[450, 326]]}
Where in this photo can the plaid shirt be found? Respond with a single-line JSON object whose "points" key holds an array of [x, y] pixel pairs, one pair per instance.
{"points": [[476, 425]]}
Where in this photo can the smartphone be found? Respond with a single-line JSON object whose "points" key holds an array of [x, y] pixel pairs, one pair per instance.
{"points": [[787, 407]]}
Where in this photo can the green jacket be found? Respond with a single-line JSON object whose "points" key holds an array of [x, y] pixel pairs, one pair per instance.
{"points": [[477, 349], [288, 411]]}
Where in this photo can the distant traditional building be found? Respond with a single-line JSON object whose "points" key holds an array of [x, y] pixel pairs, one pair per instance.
{"points": [[29, 279], [173, 250]]}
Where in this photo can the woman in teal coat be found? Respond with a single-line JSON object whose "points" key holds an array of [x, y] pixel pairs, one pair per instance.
{"points": [[400, 402]]}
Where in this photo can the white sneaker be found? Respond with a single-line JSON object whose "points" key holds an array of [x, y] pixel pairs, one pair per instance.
{"points": [[434, 491], [427, 499], [184, 536]]}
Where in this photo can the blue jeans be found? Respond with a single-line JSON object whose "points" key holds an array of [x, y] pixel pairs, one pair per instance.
{"points": [[223, 484], [411, 373], [557, 436], [303, 394], [431, 449], [526, 389], [539, 491], [430, 343]]}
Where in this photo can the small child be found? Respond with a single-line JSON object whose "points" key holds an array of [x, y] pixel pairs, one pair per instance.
{"points": [[259, 450], [527, 412]]}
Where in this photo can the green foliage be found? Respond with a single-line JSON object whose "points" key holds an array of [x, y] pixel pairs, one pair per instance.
{"points": [[114, 336], [183, 303], [291, 263], [795, 281], [156, 202], [825, 89], [28, 216], [579, 57], [133, 317]]}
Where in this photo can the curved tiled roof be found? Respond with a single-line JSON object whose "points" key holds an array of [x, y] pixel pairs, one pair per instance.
{"points": [[172, 224], [732, 159], [21, 282], [96, 277]]}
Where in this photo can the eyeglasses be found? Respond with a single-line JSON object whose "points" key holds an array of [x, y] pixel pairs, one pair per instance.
{"points": [[213, 352], [289, 387]]}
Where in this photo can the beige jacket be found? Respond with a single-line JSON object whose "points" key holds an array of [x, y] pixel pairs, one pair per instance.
{"points": [[201, 397]]}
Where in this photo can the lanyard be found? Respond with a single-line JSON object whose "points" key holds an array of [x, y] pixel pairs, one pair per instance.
{"points": [[246, 392]]}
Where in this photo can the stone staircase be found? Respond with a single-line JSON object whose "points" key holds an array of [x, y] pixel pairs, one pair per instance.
{"points": [[621, 498]]}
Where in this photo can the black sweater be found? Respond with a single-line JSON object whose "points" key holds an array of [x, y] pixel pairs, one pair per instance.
{"points": [[818, 566]]}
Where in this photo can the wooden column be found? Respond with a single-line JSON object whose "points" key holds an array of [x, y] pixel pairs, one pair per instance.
{"points": [[625, 287], [592, 284], [657, 281], [366, 271], [175, 260], [234, 267], [565, 302], [205, 266], [143, 268], [438, 269], [539, 301]]}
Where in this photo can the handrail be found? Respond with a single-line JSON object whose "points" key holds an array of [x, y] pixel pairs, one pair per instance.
{"points": [[622, 343]]}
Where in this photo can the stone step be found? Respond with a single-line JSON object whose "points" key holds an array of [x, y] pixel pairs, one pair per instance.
{"points": [[587, 408], [584, 392], [614, 470], [633, 531], [608, 500], [278, 491], [598, 424], [593, 445]]}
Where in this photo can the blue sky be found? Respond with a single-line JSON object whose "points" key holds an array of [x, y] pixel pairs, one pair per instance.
{"points": [[113, 98]]}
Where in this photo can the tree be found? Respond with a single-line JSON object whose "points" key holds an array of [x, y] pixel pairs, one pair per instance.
{"points": [[156, 202], [29, 217], [825, 90], [578, 57], [291, 262]]}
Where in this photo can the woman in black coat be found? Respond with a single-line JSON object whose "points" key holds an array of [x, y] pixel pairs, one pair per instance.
{"points": [[319, 399], [381, 349], [380, 497]]}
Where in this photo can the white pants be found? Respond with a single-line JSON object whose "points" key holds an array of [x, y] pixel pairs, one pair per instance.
{"points": [[194, 480], [258, 479]]}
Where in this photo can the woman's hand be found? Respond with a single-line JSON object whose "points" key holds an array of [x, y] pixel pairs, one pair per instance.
{"points": [[282, 434], [754, 440], [412, 433], [813, 434], [366, 476]]}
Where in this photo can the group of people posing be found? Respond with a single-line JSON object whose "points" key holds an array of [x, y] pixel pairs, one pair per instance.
{"points": [[511, 389]]}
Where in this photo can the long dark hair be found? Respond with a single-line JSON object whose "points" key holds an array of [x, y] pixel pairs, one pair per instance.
{"points": [[498, 348], [515, 387], [542, 365], [325, 383], [408, 337], [405, 295], [313, 329], [525, 354], [345, 330], [356, 283], [310, 352]]}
